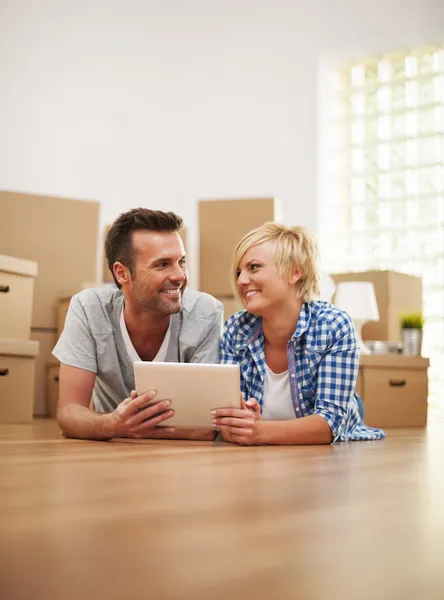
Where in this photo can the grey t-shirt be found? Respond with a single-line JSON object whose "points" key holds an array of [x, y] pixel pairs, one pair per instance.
{"points": [[92, 339]]}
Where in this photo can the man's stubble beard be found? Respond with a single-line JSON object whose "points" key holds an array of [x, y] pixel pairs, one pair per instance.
{"points": [[158, 304]]}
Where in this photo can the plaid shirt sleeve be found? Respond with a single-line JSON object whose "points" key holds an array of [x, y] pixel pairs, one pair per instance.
{"points": [[337, 373]]}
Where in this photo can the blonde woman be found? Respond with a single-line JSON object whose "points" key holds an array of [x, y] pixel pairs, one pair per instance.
{"points": [[298, 356]]}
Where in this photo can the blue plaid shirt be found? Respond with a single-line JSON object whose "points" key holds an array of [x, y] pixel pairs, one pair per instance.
{"points": [[323, 361]]}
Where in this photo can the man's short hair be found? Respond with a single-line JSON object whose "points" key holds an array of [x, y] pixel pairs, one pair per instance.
{"points": [[294, 248], [118, 243]]}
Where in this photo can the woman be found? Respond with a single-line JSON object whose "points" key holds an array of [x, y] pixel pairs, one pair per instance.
{"points": [[298, 357]]}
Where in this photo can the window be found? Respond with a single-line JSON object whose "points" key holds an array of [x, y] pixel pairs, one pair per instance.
{"points": [[383, 205]]}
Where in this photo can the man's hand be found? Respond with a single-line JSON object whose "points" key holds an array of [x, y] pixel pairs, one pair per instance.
{"points": [[238, 426], [131, 420]]}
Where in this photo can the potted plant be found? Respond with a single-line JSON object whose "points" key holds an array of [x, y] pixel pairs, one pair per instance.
{"points": [[411, 327]]}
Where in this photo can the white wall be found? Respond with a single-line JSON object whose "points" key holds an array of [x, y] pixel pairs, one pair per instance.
{"points": [[159, 103]]}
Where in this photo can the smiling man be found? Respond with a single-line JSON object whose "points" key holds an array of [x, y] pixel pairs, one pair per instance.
{"points": [[149, 316]]}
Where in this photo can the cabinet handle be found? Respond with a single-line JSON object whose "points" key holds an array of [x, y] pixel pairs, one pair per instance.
{"points": [[4, 372], [56, 378], [397, 382], [4, 288]]}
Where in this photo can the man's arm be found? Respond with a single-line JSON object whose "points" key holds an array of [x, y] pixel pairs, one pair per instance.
{"points": [[74, 416], [130, 419]]}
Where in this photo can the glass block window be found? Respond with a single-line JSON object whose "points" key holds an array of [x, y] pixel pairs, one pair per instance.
{"points": [[383, 198]]}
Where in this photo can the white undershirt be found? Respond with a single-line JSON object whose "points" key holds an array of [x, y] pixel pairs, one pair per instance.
{"points": [[277, 404], [160, 356]]}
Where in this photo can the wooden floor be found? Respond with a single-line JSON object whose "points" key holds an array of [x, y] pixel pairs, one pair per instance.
{"points": [[177, 520]]}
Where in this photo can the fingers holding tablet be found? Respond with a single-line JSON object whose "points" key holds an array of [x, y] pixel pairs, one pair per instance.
{"points": [[194, 388], [238, 425], [137, 414]]}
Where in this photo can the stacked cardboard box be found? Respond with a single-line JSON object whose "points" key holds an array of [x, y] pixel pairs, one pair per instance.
{"points": [[17, 352], [61, 236], [222, 223], [396, 293]]}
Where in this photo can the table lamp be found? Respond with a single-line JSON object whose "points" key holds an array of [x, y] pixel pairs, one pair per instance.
{"points": [[358, 299]]}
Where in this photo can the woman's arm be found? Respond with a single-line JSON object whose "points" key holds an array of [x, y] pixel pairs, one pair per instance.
{"points": [[247, 429], [313, 429], [336, 381]]}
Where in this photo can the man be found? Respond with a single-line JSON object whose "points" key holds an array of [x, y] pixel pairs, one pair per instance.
{"points": [[149, 316]]}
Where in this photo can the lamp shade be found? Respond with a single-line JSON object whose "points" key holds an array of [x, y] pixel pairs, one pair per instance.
{"points": [[358, 299]]}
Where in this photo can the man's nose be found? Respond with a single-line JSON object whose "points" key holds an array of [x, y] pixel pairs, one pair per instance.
{"points": [[178, 274]]}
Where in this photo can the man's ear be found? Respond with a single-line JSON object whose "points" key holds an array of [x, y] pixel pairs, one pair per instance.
{"points": [[295, 276], [121, 273]]}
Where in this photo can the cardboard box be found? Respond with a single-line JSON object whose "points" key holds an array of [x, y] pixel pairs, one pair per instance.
{"points": [[61, 235], [396, 293], [394, 389], [62, 309], [16, 296], [47, 341], [17, 376], [231, 305], [222, 223]]}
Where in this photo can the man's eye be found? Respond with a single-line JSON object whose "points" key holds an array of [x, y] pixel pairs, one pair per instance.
{"points": [[182, 262], [162, 265]]}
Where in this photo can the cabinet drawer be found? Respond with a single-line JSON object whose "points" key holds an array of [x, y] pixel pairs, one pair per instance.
{"points": [[16, 388], [395, 398], [16, 293]]}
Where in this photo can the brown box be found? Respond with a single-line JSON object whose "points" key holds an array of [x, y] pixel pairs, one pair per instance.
{"points": [[16, 295], [47, 341], [222, 223], [394, 389], [396, 293], [231, 305], [62, 309], [183, 234], [17, 375], [60, 235], [52, 389]]}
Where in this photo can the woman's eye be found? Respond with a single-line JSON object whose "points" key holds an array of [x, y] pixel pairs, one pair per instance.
{"points": [[254, 267], [237, 274]]}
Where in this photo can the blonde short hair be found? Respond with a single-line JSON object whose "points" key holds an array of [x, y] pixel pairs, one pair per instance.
{"points": [[294, 248]]}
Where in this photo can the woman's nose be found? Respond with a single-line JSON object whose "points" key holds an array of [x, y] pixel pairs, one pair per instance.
{"points": [[243, 279]]}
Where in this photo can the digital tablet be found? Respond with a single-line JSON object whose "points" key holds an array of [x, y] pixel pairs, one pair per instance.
{"points": [[193, 388]]}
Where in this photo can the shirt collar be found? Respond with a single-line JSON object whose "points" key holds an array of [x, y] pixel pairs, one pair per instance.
{"points": [[303, 321], [251, 329]]}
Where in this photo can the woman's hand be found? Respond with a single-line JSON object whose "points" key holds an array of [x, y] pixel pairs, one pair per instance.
{"points": [[238, 426]]}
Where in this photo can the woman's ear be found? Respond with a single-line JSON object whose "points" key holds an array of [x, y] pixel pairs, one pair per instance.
{"points": [[295, 276]]}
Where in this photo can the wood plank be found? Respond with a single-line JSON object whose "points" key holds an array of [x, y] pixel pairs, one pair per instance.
{"points": [[194, 520]]}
